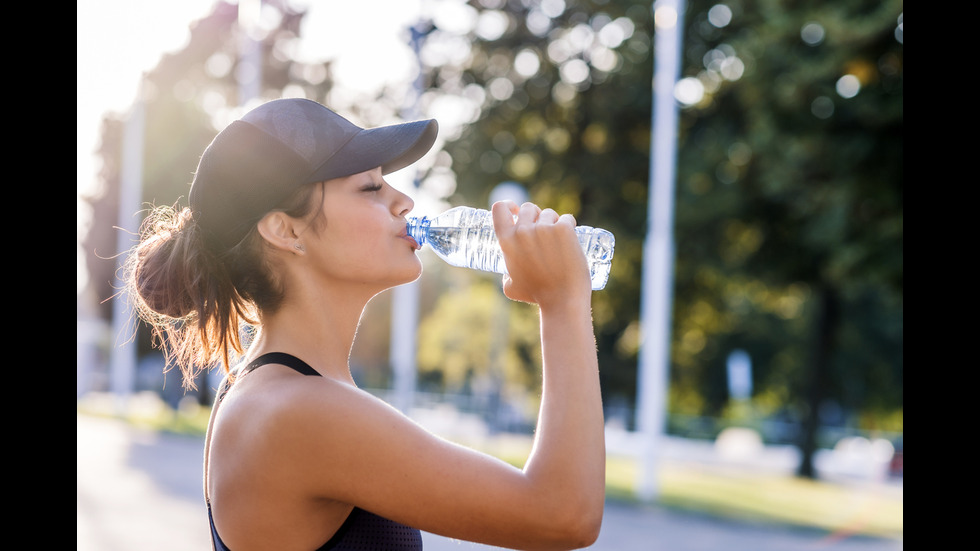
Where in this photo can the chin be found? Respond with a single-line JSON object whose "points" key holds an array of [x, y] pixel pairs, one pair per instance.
{"points": [[414, 277], [407, 276]]}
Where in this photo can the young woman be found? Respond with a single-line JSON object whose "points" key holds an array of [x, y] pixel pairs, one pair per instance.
{"points": [[292, 229]]}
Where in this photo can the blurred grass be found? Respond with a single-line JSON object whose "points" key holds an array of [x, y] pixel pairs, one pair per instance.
{"points": [[838, 508], [842, 510]]}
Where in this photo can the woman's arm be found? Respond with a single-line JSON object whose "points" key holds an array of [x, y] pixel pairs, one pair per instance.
{"points": [[547, 267]]}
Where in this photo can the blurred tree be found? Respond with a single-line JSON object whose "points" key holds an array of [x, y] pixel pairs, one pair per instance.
{"points": [[795, 147], [188, 95], [535, 69], [789, 203], [461, 339]]}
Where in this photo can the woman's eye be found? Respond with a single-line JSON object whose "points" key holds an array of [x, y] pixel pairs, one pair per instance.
{"points": [[373, 187]]}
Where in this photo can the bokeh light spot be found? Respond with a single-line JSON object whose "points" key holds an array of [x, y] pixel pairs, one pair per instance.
{"points": [[689, 91], [720, 15], [848, 86], [812, 33], [527, 63], [822, 107]]}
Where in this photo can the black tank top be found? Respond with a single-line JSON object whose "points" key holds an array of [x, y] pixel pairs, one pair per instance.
{"points": [[363, 530]]}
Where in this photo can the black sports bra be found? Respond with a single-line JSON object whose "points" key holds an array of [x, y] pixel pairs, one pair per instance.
{"points": [[363, 530]]}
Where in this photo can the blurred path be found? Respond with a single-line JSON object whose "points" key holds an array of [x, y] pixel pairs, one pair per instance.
{"points": [[142, 490], [138, 489]]}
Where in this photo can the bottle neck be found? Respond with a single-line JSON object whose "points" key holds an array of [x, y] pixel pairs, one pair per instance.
{"points": [[418, 229]]}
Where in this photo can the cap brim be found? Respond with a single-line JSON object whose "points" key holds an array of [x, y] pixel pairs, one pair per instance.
{"points": [[389, 147]]}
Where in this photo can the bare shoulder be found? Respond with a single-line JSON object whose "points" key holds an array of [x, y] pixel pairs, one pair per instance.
{"points": [[302, 422], [331, 441], [285, 410]]}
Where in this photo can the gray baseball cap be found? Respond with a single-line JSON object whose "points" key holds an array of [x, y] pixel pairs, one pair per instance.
{"points": [[259, 160]]}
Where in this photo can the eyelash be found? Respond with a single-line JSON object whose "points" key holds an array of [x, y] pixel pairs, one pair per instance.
{"points": [[375, 187]]}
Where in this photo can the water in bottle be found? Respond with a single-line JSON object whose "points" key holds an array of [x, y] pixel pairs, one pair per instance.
{"points": [[464, 237]]}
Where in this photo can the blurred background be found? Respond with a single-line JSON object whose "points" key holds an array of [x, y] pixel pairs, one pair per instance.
{"points": [[754, 311]]}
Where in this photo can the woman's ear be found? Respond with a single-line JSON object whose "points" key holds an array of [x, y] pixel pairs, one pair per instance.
{"points": [[279, 230]]}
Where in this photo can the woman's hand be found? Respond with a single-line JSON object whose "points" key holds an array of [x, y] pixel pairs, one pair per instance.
{"points": [[545, 262]]}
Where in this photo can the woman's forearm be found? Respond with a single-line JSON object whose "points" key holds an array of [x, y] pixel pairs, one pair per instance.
{"points": [[569, 450]]}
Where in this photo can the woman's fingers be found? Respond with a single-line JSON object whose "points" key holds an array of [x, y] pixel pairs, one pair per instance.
{"points": [[548, 216], [503, 215], [541, 251], [527, 215]]}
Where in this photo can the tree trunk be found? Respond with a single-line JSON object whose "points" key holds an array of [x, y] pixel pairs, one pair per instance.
{"points": [[821, 351]]}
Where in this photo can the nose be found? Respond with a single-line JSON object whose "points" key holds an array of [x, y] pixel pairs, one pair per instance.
{"points": [[402, 204]]}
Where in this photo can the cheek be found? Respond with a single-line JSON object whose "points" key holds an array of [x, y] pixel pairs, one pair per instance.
{"points": [[356, 245]]}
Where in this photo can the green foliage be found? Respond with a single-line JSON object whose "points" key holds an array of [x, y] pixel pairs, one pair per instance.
{"points": [[807, 186], [788, 190], [475, 335]]}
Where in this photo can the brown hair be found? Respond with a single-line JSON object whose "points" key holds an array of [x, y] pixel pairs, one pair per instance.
{"points": [[195, 300]]}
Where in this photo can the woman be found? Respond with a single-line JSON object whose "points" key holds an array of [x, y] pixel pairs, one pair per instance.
{"points": [[292, 229]]}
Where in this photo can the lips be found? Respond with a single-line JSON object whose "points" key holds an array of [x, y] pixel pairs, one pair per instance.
{"points": [[404, 235]]}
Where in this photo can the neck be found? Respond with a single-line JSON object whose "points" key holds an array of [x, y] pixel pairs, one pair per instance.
{"points": [[318, 328]]}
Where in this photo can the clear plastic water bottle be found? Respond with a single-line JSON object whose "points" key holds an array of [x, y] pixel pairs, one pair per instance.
{"points": [[464, 237]]}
